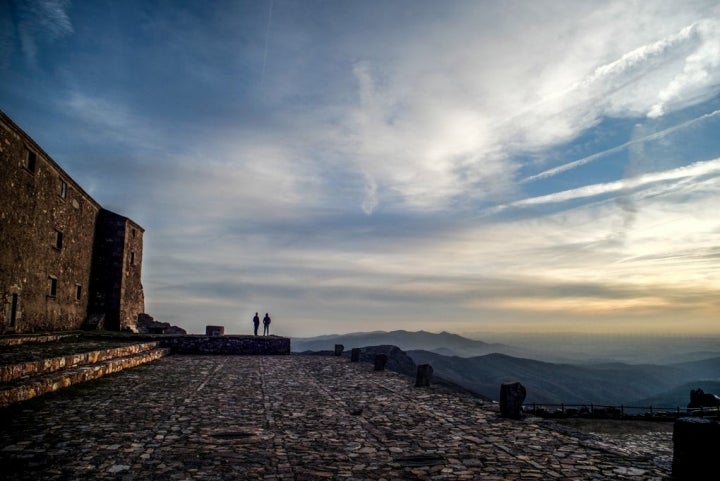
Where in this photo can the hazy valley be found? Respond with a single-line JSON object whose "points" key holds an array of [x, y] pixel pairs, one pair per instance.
{"points": [[586, 371]]}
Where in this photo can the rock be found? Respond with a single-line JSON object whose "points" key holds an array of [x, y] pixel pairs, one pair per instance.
{"points": [[339, 349], [146, 324], [700, 399], [397, 359]]}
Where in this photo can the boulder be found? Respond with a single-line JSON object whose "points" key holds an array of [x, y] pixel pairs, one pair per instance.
{"points": [[397, 359]]}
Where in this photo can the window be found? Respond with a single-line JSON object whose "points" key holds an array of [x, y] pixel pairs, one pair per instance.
{"points": [[134, 233], [30, 160], [58, 239], [52, 286], [78, 292], [13, 310], [63, 189], [132, 258]]}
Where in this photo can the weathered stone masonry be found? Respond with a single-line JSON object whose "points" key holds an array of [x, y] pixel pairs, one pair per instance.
{"points": [[51, 233], [117, 293]]}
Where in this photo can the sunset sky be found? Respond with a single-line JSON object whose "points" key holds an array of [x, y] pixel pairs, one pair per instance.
{"points": [[529, 166]]}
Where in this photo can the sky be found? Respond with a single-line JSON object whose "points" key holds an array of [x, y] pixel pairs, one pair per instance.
{"points": [[465, 166]]}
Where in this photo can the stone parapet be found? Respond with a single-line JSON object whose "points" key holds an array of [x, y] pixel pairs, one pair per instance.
{"points": [[227, 345]]}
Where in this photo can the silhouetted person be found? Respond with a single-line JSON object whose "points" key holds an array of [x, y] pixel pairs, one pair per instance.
{"points": [[256, 322], [266, 325]]}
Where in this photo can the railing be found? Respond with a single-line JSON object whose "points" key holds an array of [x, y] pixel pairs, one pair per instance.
{"points": [[618, 412]]}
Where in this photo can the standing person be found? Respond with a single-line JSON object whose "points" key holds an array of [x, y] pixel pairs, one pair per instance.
{"points": [[266, 325], [256, 322]]}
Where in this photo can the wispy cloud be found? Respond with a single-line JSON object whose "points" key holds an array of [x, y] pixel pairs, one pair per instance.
{"points": [[40, 21], [598, 155], [693, 170]]}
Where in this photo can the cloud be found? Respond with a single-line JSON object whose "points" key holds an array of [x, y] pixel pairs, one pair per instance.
{"points": [[693, 170], [598, 155], [430, 139], [355, 186], [40, 21], [700, 73]]}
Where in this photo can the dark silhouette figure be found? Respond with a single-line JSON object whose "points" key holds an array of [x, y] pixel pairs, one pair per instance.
{"points": [[256, 322], [266, 325]]}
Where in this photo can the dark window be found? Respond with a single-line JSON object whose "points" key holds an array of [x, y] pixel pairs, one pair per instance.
{"points": [[13, 310], [78, 292], [63, 189], [52, 286], [132, 258], [58, 239], [134, 232], [30, 160]]}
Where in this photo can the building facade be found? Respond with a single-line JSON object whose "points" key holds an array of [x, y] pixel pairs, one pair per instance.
{"points": [[64, 260]]}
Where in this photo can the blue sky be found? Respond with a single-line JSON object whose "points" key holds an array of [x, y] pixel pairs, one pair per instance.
{"points": [[356, 165]]}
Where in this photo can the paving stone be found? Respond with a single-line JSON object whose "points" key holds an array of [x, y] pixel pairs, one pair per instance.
{"points": [[290, 418]]}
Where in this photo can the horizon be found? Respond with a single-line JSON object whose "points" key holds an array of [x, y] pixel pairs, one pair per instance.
{"points": [[520, 168]]}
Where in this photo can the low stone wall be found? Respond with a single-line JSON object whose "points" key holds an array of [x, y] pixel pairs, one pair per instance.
{"points": [[227, 345]]}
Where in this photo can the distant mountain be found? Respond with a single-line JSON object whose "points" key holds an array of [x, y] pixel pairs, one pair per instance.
{"points": [[482, 367], [708, 369], [444, 342], [609, 383]]}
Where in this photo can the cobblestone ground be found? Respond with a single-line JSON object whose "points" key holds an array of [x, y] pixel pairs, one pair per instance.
{"points": [[288, 418]]}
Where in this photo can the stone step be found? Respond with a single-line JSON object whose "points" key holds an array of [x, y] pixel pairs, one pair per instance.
{"points": [[21, 339], [17, 371], [30, 387]]}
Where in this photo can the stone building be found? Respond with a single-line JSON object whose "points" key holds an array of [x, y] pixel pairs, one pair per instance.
{"points": [[64, 260]]}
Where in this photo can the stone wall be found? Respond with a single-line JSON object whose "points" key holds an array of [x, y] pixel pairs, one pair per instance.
{"points": [[47, 242], [244, 345], [132, 296], [46, 236], [116, 290]]}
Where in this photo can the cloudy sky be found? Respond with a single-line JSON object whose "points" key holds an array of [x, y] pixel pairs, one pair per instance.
{"points": [[530, 166]]}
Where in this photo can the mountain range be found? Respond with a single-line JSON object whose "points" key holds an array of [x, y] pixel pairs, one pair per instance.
{"points": [[482, 367], [443, 343]]}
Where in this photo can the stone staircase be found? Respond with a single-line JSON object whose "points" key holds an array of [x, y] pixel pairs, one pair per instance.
{"points": [[31, 366]]}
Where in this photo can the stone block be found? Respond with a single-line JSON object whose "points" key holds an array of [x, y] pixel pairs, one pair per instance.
{"points": [[695, 445], [380, 361], [355, 354], [214, 331], [423, 376], [339, 348], [512, 396]]}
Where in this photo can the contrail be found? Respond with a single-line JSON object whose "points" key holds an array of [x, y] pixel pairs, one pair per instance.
{"points": [[267, 39], [590, 158]]}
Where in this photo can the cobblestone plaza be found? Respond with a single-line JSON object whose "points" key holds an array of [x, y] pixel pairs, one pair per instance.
{"points": [[291, 418]]}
